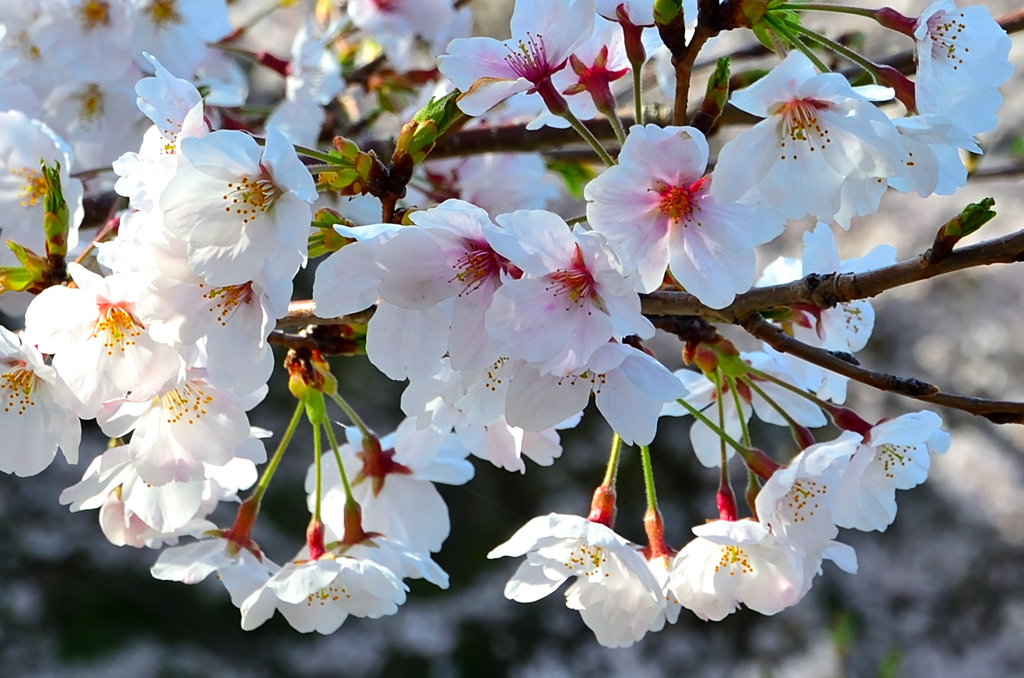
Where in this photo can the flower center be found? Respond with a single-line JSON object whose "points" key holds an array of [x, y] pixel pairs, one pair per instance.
{"points": [[187, 403], [892, 457], [675, 202], [800, 124], [118, 325], [224, 301], [251, 196], [802, 501], [479, 264], [330, 592], [585, 560], [165, 12], [575, 282], [90, 110], [731, 557], [943, 30], [34, 187], [94, 13], [530, 60], [16, 387]]}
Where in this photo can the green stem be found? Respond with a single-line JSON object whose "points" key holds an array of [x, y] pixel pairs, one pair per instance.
{"points": [[784, 31], [613, 462], [318, 477], [317, 155], [589, 137], [352, 415], [652, 497], [268, 473], [620, 132], [838, 9], [638, 104], [714, 427], [866, 64], [721, 413], [341, 467], [789, 387], [774, 405], [739, 411]]}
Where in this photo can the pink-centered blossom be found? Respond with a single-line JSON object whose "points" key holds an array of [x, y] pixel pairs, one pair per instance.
{"points": [[544, 34], [658, 211], [574, 298]]}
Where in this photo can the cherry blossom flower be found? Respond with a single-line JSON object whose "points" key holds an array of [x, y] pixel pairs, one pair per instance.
{"points": [[933, 146], [895, 455], [185, 423], [962, 57], [241, 209], [101, 349], [629, 388], [818, 133], [177, 31], [241, 570], [796, 502], [23, 143], [35, 418], [348, 280], [544, 34], [732, 563], [657, 210], [615, 591], [88, 40], [319, 595], [393, 482], [573, 300]]}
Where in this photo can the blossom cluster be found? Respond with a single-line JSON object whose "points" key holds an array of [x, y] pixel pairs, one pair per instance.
{"points": [[505, 319]]}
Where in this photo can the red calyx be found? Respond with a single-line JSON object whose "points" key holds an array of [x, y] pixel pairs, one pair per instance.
{"points": [[655, 529], [377, 464], [602, 506], [315, 539]]}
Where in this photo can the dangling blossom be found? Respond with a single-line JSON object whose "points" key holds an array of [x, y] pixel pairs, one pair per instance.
{"points": [[962, 57], [544, 34], [393, 481], [895, 455], [732, 563], [657, 210], [242, 569], [184, 424], [573, 299], [818, 133], [241, 208], [629, 388], [101, 349], [34, 418], [615, 591]]}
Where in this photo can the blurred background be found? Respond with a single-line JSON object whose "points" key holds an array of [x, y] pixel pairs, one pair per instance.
{"points": [[941, 593]]}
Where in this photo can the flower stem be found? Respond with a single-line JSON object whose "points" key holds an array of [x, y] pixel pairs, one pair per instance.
{"points": [[613, 462], [352, 415], [784, 31], [638, 103], [839, 9], [315, 154], [341, 467], [620, 132], [588, 136], [318, 475], [789, 387], [794, 428], [713, 426], [866, 64], [268, 473], [652, 497], [739, 410]]}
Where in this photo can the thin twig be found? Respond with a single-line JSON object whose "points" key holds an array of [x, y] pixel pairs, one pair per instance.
{"points": [[996, 411]]}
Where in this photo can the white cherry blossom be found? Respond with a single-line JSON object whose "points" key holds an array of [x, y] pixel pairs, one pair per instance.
{"points": [[35, 417], [241, 208], [176, 31], [615, 591], [818, 132]]}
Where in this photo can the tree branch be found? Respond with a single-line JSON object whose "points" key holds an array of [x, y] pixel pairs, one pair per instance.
{"points": [[830, 289], [996, 411]]}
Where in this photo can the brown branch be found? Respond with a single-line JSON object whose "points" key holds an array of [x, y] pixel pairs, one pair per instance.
{"points": [[996, 411], [830, 289]]}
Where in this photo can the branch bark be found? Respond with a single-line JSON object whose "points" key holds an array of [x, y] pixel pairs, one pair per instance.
{"points": [[996, 411]]}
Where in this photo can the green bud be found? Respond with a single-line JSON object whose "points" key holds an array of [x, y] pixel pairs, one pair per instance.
{"points": [[666, 11]]}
